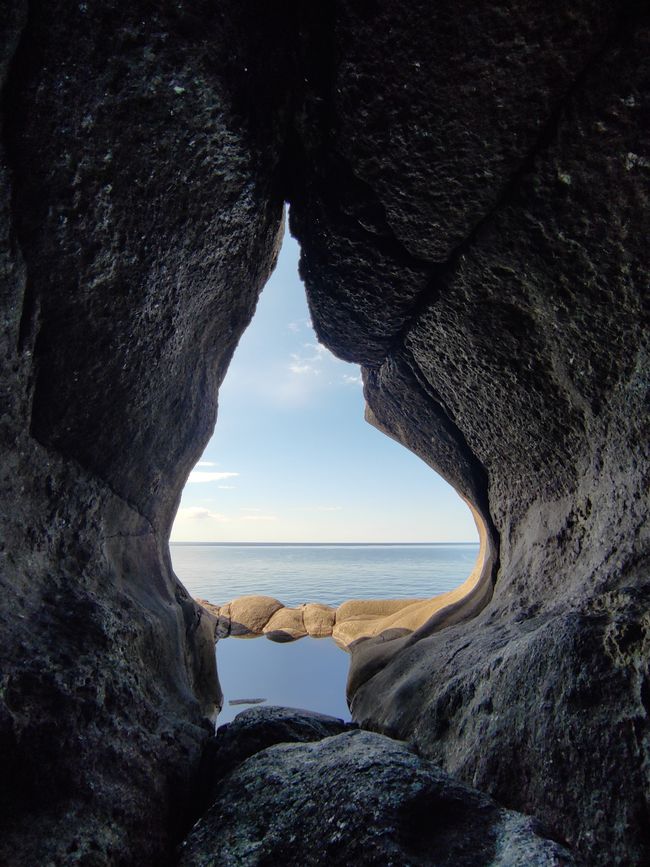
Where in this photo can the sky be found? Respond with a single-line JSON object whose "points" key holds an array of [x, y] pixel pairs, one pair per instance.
{"points": [[292, 459]]}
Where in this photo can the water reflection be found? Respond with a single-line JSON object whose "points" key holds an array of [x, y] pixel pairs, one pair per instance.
{"points": [[310, 673]]}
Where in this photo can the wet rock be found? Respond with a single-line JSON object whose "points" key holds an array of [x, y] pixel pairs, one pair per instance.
{"points": [[360, 798]]}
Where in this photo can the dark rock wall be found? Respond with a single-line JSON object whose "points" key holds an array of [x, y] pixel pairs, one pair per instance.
{"points": [[476, 236], [470, 187], [140, 222]]}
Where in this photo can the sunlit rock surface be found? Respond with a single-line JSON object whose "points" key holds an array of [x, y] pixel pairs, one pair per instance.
{"points": [[469, 183], [357, 619]]}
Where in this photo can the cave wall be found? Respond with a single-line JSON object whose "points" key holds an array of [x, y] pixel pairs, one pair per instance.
{"points": [[139, 223], [481, 204], [470, 189]]}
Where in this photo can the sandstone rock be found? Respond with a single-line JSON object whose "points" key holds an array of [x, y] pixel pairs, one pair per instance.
{"points": [[359, 798], [285, 625], [214, 610], [356, 620], [318, 619], [250, 614]]}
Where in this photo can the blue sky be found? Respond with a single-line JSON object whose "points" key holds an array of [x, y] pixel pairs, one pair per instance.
{"points": [[292, 459]]}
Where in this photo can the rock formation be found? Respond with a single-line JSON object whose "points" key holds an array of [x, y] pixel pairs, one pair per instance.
{"points": [[252, 731], [139, 223], [359, 798], [469, 184]]}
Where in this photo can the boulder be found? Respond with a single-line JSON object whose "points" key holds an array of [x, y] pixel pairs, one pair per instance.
{"points": [[285, 625], [254, 730], [360, 798], [250, 614], [318, 619]]}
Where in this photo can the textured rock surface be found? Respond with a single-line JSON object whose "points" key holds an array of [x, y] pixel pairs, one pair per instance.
{"points": [[359, 798], [138, 225], [519, 367], [470, 186], [255, 729]]}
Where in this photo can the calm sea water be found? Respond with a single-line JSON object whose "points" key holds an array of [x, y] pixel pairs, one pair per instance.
{"points": [[321, 573], [308, 673]]}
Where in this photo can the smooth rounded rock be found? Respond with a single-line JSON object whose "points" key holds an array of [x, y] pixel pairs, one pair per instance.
{"points": [[250, 614], [285, 625], [318, 619]]}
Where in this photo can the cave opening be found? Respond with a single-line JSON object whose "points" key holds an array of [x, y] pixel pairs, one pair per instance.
{"points": [[298, 501]]}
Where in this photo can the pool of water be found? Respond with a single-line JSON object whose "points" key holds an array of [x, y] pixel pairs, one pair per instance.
{"points": [[309, 673]]}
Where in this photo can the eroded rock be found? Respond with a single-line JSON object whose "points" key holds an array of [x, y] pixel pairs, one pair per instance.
{"points": [[520, 372], [138, 225], [469, 185]]}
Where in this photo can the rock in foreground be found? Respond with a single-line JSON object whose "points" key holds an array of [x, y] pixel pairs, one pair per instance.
{"points": [[254, 730], [359, 798]]}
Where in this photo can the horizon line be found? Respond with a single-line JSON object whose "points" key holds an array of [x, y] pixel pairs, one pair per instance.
{"points": [[439, 542]]}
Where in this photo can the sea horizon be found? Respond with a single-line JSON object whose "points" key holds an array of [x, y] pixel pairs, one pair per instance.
{"points": [[326, 572], [319, 544]]}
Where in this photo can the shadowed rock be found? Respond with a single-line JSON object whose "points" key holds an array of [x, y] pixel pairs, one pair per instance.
{"points": [[519, 369], [359, 798], [137, 226], [254, 730]]}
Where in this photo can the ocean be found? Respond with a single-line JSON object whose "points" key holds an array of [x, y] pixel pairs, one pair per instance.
{"points": [[309, 673]]}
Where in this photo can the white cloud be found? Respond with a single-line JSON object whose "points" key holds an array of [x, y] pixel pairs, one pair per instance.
{"points": [[258, 518], [298, 325], [198, 513], [314, 359], [249, 509], [206, 464], [198, 476], [226, 487], [297, 366], [309, 362], [318, 351]]}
